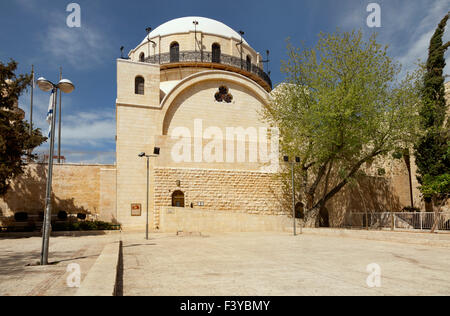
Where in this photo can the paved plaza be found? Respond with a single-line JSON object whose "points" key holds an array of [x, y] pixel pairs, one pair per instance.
{"points": [[241, 264], [279, 264]]}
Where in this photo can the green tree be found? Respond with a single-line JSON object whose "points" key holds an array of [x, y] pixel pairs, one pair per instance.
{"points": [[16, 142], [341, 107], [432, 150]]}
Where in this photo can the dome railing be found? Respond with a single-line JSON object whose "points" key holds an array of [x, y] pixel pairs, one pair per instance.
{"points": [[206, 57]]}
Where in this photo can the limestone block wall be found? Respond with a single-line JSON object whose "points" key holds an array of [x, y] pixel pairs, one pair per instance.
{"points": [[108, 193], [189, 220], [230, 191], [76, 189]]}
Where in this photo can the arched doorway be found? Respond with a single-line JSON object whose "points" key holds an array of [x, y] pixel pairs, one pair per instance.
{"points": [[178, 199], [324, 218], [299, 210]]}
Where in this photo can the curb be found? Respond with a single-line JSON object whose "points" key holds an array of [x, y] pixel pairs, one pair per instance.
{"points": [[421, 239], [102, 279]]}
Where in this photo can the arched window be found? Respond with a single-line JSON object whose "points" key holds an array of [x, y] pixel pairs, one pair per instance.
{"points": [[174, 52], [216, 53], [249, 63], [142, 57], [139, 85], [178, 199]]}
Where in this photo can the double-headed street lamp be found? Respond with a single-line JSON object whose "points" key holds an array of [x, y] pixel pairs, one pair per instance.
{"points": [[297, 161], [156, 151], [45, 85]]}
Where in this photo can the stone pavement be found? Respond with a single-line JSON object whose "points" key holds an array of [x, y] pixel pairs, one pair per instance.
{"points": [[19, 279], [238, 264], [279, 264]]}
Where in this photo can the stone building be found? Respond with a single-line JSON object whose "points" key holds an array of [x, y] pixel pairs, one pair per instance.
{"points": [[194, 89]]}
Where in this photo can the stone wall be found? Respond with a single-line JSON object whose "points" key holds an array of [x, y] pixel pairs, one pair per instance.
{"points": [[76, 189], [174, 220], [220, 190]]}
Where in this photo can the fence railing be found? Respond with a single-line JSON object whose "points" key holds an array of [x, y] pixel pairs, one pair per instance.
{"points": [[397, 221], [207, 57]]}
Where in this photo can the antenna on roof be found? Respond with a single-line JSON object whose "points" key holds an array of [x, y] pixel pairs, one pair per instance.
{"points": [[196, 42], [149, 30], [240, 44]]}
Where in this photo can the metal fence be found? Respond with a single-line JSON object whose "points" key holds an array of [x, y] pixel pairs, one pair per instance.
{"points": [[207, 57], [397, 221]]}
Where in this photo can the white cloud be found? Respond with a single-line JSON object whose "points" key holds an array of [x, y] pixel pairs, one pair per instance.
{"points": [[76, 46], [407, 29]]}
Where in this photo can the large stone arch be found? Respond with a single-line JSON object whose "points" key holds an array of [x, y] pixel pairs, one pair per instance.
{"points": [[210, 75]]}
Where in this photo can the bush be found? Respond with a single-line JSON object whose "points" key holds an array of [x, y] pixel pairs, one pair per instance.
{"points": [[82, 226], [411, 209]]}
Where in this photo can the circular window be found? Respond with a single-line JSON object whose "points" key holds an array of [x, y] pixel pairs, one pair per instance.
{"points": [[223, 95]]}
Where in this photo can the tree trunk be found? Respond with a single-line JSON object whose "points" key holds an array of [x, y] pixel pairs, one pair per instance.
{"points": [[437, 211], [312, 218]]}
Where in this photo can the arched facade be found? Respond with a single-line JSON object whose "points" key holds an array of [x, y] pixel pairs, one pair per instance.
{"points": [[204, 115]]}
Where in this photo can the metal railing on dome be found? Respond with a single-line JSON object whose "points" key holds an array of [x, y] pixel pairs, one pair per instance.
{"points": [[418, 221], [206, 57]]}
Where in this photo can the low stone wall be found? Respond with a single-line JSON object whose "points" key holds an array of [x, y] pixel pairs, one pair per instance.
{"points": [[194, 221], [76, 189]]}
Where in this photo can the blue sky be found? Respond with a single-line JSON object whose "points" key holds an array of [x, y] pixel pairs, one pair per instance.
{"points": [[35, 32]]}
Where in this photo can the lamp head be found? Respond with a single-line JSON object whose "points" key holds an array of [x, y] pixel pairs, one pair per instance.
{"points": [[142, 155], [66, 86], [297, 159], [44, 84], [156, 151], [286, 158], [148, 30]]}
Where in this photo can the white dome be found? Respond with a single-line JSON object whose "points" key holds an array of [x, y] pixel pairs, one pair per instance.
{"points": [[186, 25]]}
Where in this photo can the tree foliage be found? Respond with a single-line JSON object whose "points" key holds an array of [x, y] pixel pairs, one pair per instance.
{"points": [[341, 107], [432, 150], [15, 139]]}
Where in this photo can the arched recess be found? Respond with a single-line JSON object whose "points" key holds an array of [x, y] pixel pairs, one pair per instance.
{"points": [[178, 199], [167, 104]]}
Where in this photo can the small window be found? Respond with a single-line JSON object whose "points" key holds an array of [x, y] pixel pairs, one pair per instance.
{"points": [[174, 52], [178, 199], [249, 63], [139, 85], [216, 53], [142, 57]]}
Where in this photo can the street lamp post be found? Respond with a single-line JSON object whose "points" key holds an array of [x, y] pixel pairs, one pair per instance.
{"points": [[65, 86], [297, 160], [156, 151]]}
